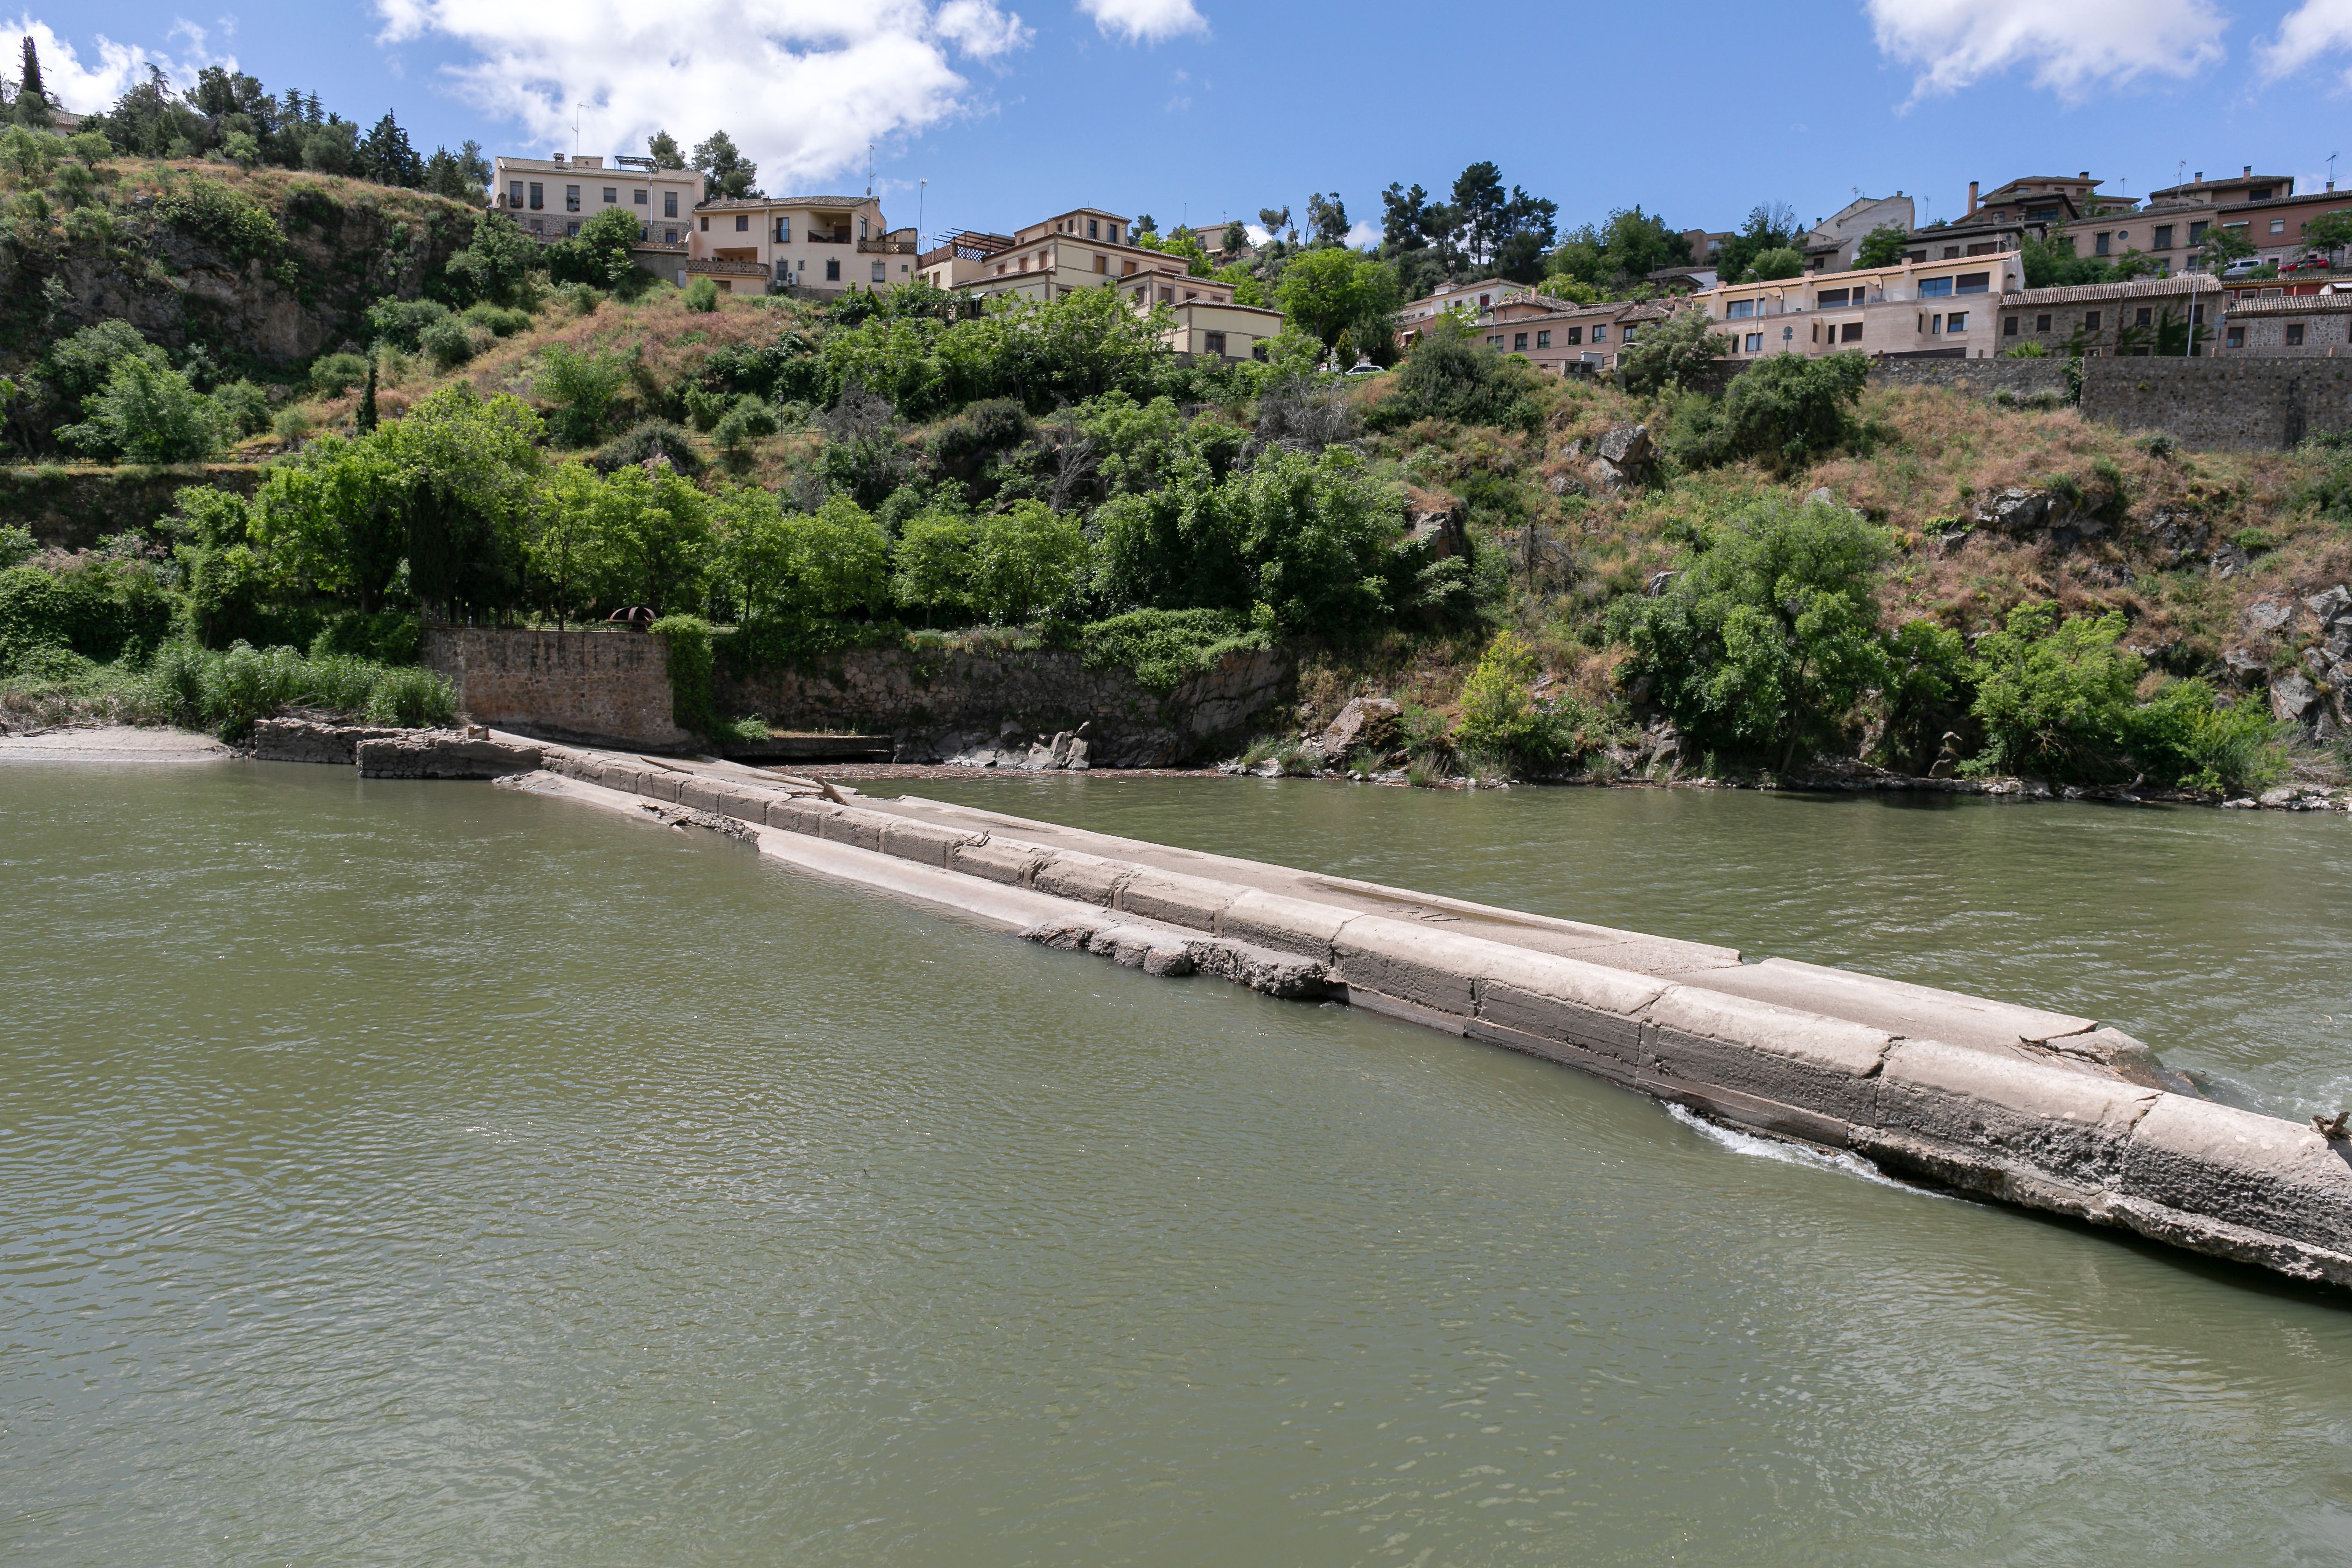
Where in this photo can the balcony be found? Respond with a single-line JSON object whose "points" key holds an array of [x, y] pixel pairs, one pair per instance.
{"points": [[817, 238]]}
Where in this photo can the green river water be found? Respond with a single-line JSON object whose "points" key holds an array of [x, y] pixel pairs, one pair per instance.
{"points": [[417, 1174]]}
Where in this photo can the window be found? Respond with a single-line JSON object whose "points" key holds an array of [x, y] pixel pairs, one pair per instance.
{"points": [[1214, 342], [2278, 226], [571, 231], [1575, 334], [833, 269], [537, 197], [638, 197], [1482, 301], [1740, 310], [611, 195], [706, 225], [784, 230], [742, 222], [1851, 332], [1935, 325], [572, 198], [669, 204], [2237, 337], [1934, 288], [1093, 232], [669, 236], [2258, 193], [2295, 335], [2099, 245], [1957, 321], [1756, 342], [1600, 331], [1495, 340], [1972, 283], [2197, 231], [514, 193], [2041, 322], [1112, 234], [1830, 299], [1102, 264], [1543, 340], [2163, 237], [1627, 335], [2009, 327], [2091, 320], [881, 272], [1518, 342], [2146, 316], [1167, 296], [861, 228]]}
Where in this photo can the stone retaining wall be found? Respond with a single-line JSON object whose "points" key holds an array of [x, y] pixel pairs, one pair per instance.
{"points": [[2221, 405], [936, 705], [590, 684], [1983, 377]]}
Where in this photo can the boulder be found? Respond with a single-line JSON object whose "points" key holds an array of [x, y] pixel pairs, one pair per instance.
{"points": [[2332, 605], [1367, 722], [2292, 698], [1626, 447], [2018, 510], [2267, 616]]}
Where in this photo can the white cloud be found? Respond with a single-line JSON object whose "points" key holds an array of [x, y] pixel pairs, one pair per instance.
{"points": [[2316, 27], [801, 85], [2072, 45], [1362, 234], [1145, 21], [88, 87]]}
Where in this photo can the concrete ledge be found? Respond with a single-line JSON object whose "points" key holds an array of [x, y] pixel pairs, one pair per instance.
{"points": [[1287, 925], [2236, 1166], [443, 754], [1170, 896], [858, 829], [1007, 862], [921, 841], [2071, 1125], [1596, 1009], [305, 740], [1426, 965], [1071, 874], [1778, 1053]]}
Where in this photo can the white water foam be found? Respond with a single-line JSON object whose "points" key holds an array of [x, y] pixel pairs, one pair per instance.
{"points": [[1843, 1163]]}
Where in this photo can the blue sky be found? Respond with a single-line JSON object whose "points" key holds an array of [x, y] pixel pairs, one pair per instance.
{"points": [[1204, 109]]}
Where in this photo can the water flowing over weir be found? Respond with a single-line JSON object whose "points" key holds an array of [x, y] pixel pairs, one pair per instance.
{"points": [[2042, 1109]]}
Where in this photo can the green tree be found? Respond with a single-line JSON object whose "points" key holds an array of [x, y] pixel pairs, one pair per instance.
{"points": [[1924, 693], [496, 267], [1767, 636], [386, 156], [1621, 254], [1781, 262], [334, 517], [1784, 410], [580, 390], [2055, 697], [1025, 561], [465, 472], [1770, 226], [147, 413], [607, 238], [1340, 293], [1451, 375], [723, 164], [932, 567], [644, 537], [1881, 247], [2329, 232], [1500, 716], [32, 106], [1669, 354], [787, 570], [662, 147], [2222, 246]]}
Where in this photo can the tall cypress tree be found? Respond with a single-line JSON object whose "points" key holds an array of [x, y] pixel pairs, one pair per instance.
{"points": [[367, 419], [32, 97]]}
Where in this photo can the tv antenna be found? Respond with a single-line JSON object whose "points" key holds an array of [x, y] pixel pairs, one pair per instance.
{"points": [[920, 187], [575, 128], [869, 168]]}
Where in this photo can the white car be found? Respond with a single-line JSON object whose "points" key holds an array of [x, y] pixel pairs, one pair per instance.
{"points": [[2243, 265]]}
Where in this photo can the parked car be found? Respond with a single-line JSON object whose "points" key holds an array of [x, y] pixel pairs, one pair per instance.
{"points": [[2310, 264], [2244, 265]]}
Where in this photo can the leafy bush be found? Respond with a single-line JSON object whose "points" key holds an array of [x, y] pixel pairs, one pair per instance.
{"points": [[384, 636], [80, 364], [1451, 375], [244, 408], [1499, 715], [243, 229], [447, 343], [2055, 696], [400, 323], [2184, 735], [149, 413], [702, 295], [1923, 695], [1668, 352], [1766, 637], [642, 442], [1025, 560], [749, 420], [16, 544], [499, 321], [1042, 353], [581, 390], [331, 375], [1166, 647], [1785, 411]]}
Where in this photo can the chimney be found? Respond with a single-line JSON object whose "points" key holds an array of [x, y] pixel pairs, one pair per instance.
{"points": [[2200, 176], [2084, 176], [1972, 198], [2249, 171]]}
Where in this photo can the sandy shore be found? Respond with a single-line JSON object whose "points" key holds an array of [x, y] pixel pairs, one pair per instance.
{"points": [[112, 743]]}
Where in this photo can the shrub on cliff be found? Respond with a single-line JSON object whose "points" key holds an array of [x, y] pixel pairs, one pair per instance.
{"points": [[2054, 696], [1500, 716], [1165, 648], [149, 413], [1768, 636], [1785, 411], [1451, 375]]}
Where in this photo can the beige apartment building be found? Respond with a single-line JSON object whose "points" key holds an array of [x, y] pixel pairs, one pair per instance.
{"points": [[1942, 308], [1473, 300], [1089, 247], [825, 245], [551, 197], [1561, 338], [1832, 244]]}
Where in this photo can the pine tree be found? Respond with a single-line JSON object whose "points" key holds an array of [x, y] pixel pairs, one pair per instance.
{"points": [[32, 97], [386, 157], [367, 419]]}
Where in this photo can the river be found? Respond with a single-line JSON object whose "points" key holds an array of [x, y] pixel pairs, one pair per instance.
{"points": [[430, 1175]]}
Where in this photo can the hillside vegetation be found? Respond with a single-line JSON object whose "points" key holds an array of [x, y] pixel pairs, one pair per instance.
{"points": [[1803, 569]]}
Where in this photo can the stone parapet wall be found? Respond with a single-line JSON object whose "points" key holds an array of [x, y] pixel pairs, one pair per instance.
{"points": [[2019, 377], [590, 685], [2221, 405], [936, 704]]}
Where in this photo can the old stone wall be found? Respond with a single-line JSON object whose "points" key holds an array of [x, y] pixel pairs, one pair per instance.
{"points": [[1983, 377], [595, 685], [938, 704], [74, 508], [2221, 405]]}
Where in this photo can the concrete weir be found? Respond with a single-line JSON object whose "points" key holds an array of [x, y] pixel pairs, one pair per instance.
{"points": [[2033, 1108]]}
